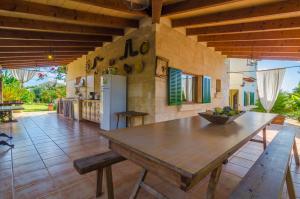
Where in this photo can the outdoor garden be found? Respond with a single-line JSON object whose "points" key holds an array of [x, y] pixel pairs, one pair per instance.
{"points": [[287, 104], [38, 97]]}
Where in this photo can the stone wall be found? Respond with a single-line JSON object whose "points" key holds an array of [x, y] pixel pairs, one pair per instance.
{"points": [[191, 57], [75, 69], [148, 93], [140, 86]]}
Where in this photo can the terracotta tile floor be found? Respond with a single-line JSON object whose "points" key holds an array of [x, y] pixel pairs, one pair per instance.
{"points": [[40, 165]]}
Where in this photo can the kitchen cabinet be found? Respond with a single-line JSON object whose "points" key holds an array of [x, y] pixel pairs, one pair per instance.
{"points": [[91, 110]]}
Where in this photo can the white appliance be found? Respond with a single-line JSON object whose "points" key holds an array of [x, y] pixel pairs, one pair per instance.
{"points": [[113, 99]]}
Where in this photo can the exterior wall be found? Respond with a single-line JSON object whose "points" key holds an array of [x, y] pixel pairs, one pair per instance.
{"points": [[236, 80], [191, 57], [140, 86], [146, 92], [75, 69]]}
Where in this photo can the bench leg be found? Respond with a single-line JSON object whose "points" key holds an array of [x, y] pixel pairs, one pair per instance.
{"points": [[265, 137], [99, 182], [296, 155], [290, 185], [213, 181], [5, 135], [4, 143], [109, 183]]}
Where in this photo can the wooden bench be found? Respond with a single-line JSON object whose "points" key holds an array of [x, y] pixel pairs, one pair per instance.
{"points": [[99, 162], [266, 178]]}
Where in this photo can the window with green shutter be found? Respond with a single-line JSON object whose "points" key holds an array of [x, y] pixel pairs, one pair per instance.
{"points": [[206, 89], [252, 98], [245, 99], [174, 86]]}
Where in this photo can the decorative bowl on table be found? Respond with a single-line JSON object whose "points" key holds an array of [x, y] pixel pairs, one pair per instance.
{"points": [[221, 115]]}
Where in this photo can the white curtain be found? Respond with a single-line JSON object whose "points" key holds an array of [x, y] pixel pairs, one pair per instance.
{"points": [[269, 83], [22, 75]]}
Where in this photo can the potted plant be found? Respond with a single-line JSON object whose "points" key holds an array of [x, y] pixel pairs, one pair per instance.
{"points": [[279, 119], [50, 106]]}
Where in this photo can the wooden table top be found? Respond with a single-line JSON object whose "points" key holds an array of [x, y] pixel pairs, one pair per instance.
{"points": [[190, 146], [10, 108], [11, 103], [131, 114]]}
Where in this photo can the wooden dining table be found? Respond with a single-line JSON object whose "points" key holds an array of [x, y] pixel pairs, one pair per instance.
{"points": [[9, 110], [184, 151]]}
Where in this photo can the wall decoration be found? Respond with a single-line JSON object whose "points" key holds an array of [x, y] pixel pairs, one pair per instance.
{"points": [[145, 47], [139, 66], [129, 49], [112, 62], [90, 66], [96, 60], [128, 68], [161, 69], [112, 70]]}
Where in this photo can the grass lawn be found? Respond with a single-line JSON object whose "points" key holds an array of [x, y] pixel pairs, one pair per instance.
{"points": [[35, 107]]}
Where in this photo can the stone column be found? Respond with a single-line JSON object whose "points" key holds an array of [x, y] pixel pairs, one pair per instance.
{"points": [[1, 86]]}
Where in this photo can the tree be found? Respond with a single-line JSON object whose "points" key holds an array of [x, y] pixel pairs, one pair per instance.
{"points": [[281, 105], [13, 90], [297, 89]]}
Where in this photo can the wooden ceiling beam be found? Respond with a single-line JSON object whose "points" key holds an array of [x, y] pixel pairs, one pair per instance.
{"points": [[255, 13], [44, 58], [156, 10], [192, 5], [48, 49], [270, 35], [116, 5], [263, 54], [34, 35], [58, 14], [261, 43], [36, 25], [35, 64], [42, 43], [269, 25], [265, 58], [258, 49], [40, 54]]}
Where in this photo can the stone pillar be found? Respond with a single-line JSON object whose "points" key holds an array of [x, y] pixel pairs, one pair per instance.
{"points": [[1, 86]]}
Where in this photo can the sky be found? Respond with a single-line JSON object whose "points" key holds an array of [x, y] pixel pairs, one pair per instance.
{"points": [[35, 81], [292, 75]]}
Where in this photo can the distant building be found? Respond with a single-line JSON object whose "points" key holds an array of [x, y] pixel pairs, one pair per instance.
{"points": [[242, 86]]}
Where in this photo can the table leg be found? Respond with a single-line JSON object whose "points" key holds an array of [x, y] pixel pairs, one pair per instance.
{"points": [[213, 181], [10, 116], [290, 185], [296, 155], [265, 137], [143, 120], [141, 184], [118, 118], [137, 186]]}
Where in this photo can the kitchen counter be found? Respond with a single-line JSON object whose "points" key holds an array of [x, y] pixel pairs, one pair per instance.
{"points": [[90, 110]]}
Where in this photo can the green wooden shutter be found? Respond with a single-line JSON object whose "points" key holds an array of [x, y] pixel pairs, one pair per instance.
{"points": [[245, 99], [206, 91], [174, 86], [252, 98]]}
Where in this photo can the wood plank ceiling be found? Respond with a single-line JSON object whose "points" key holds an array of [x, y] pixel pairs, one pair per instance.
{"points": [[257, 29], [68, 29]]}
